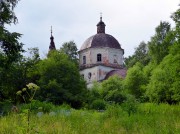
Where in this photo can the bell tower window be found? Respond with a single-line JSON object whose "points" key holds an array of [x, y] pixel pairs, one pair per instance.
{"points": [[84, 59], [98, 57]]}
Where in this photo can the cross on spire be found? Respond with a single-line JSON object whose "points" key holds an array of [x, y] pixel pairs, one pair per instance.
{"points": [[100, 16], [51, 30]]}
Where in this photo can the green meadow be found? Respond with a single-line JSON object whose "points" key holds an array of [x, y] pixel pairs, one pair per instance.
{"points": [[149, 118]]}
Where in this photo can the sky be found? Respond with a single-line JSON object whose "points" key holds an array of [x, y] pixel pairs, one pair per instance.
{"points": [[129, 21]]}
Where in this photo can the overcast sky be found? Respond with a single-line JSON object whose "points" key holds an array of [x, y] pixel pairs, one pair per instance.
{"points": [[129, 21]]}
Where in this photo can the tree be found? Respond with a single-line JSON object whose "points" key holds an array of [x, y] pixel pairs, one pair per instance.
{"points": [[113, 90], [135, 81], [10, 50], [9, 41], [164, 83], [140, 55], [60, 80], [160, 42], [176, 17], [70, 49], [18, 74]]}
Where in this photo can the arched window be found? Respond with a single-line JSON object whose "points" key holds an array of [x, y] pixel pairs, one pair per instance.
{"points": [[84, 59], [99, 57]]}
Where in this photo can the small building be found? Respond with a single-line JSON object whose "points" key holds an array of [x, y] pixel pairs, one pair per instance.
{"points": [[101, 56]]}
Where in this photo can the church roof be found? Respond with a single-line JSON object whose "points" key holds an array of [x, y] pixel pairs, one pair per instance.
{"points": [[121, 73], [101, 39]]}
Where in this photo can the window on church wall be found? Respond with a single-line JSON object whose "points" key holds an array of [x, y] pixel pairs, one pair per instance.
{"points": [[98, 57], [84, 59], [89, 75]]}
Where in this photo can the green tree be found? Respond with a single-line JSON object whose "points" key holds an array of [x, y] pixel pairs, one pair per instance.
{"points": [[113, 90], [160, 42], [10, 49], [135, 81], [164, 83], [176, 17], [60, 80], [18, 74], [140, 55], [9, 44], [71, 50]]}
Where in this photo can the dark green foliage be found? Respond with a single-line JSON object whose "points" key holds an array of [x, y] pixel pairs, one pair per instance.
{"points": [[60, 80], [98, 104], [9, 44], [18, 74], [5, 107], [37, 106]]}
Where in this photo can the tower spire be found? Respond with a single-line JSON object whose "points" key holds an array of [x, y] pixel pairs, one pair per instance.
{"points": [[101, 25], [52, 44]]}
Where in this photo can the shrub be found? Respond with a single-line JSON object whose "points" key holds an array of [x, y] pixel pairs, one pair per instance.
{"points": [[98, 104], [130, 105], [38, 106]]}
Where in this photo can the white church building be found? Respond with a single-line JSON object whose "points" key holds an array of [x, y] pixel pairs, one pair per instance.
{"points": [[101, 56]]}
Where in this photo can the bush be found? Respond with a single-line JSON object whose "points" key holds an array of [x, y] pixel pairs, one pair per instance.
{"points": [[130, 105], [98, 104], [36, 106], [5, 107]]}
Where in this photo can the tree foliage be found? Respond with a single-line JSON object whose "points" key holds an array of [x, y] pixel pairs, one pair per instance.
{"points": [[113, 90], [140, 55], [159, 43], [71, 50], [9, 41], [165, 80], [60, 80], [135, 81], [18, 74]]}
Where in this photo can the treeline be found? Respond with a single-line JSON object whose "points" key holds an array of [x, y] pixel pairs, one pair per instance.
{"points": [[153, 70]]}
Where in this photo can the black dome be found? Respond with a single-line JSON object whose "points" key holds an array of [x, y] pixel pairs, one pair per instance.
{"points": [[101, 40]]}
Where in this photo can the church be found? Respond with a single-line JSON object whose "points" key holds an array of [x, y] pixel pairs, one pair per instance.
{"points": [[100, 56]]}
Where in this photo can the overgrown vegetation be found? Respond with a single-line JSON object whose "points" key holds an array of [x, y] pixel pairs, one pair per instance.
{"points": [[149, 118], [146, 101]]}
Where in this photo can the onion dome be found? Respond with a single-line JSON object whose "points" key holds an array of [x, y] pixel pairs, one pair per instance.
{"points": [[101, 39], [52, 44]]}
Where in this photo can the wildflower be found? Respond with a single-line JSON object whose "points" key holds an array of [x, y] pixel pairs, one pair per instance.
{"points": [[32, 86], [24, 89], [19, 92]]}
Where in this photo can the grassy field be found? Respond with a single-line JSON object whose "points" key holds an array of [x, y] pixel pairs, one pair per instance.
{"points": [[148, 119]]}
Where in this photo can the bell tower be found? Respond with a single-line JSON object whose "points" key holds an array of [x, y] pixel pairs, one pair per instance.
{"points": [[52, 44], [101, 26]]}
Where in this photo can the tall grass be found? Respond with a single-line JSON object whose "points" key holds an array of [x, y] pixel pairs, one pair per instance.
{"points": [[148, 119]]}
